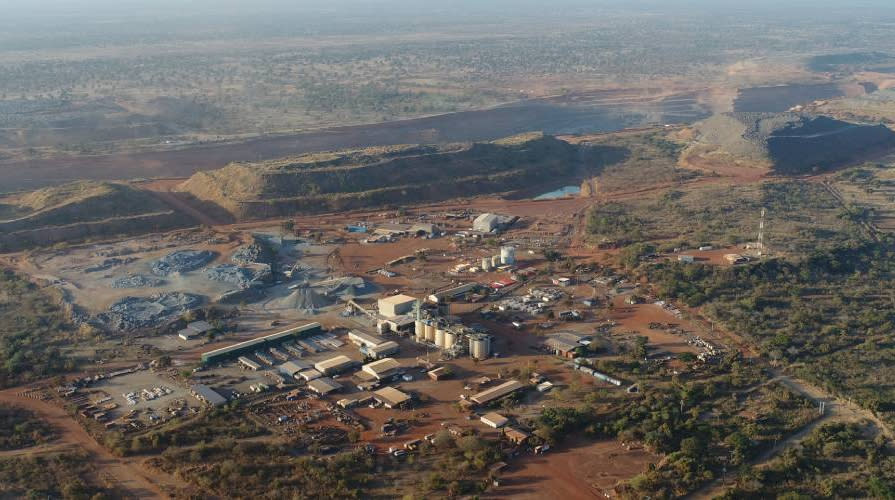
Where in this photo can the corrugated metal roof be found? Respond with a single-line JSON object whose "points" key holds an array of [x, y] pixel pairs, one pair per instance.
{"points": [[208, 394], [391, 396], [324, 385], [497, 392]]}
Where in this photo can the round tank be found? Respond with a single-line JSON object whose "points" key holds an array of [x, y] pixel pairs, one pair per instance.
{"points": [[419, 330], [486, 264], [495, 261], [508, 255], [430, 333], [439, 338], [479, 347], [450, 338]]}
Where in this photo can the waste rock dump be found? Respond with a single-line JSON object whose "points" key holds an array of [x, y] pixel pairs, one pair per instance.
{"points": [[182, 261], [130, 313]]}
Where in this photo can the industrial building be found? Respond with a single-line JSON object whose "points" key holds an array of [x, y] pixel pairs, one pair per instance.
{"points": [[363, 339], [397, 324], [225, 353], [324, 385], [334, 365], [565, 344], [382, 369], [485, 223], [248, 363], [391, 397], [309, 375], [489, 223], [452, 292], [438, 373], [498, 392], [515, 435], [494, 420], [382, 350], [292, 368], [206, 394], [396, 305], [373, 346], [194, 329], [423, 229]]}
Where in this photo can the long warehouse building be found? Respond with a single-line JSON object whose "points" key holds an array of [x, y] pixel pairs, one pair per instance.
{"points": [[249, 346], [496, 393]]}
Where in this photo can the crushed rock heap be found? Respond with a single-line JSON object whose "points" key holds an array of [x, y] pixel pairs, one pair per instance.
{"points": [[182, 261], [131, 313]]}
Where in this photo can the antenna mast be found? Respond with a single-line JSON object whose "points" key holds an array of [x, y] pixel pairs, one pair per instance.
{"points": [[761, 233]]}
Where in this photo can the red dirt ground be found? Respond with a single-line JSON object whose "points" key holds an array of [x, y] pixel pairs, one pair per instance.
{"points": [[578, 470], [638, 317], [134, 478]]}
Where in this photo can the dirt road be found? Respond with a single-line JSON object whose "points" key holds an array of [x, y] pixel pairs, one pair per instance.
{"points": [[835, 410], [129, 475]]}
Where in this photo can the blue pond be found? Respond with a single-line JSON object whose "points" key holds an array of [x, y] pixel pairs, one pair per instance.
{"points": [[560, 193]]}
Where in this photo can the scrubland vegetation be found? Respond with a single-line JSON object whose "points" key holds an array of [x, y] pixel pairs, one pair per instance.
{"points": [[33, 331]]}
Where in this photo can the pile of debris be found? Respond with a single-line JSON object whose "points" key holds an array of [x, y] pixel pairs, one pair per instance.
{"points": [[350, 286], [137, 281], [131, 313], [303, 299], [243, 277], [253, 253], [182, 261]]}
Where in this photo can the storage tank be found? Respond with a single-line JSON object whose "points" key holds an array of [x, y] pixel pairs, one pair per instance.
{"points": [[486, 264], [479, 346], [495, 260], [450, 338], [508, 256], [419, 330], [439, 338], [430, 332]]}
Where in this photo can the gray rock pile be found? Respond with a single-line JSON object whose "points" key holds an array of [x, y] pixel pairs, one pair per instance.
{"points": [[182, 261], [248, 254], [137, 281], [303, 299], [131, 313], [243, 277]]}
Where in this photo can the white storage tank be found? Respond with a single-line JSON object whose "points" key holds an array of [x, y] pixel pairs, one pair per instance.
{"points": [[479, 346], [486, 264], [495, 261], [450, 338], [439, 338], [508, 256], [430, 332], [419, 330]]}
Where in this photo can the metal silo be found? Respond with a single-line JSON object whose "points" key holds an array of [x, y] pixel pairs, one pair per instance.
{"points": [[479, 346], [419, 330], [439, 338], [508, 256], [486, 264], [430, 332], [450, 338]]}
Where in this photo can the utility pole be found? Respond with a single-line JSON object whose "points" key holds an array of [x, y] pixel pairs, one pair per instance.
{"points": [[761, 233]]}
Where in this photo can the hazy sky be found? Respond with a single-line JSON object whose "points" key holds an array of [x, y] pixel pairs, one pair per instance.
{"points": [[26, 24]]}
